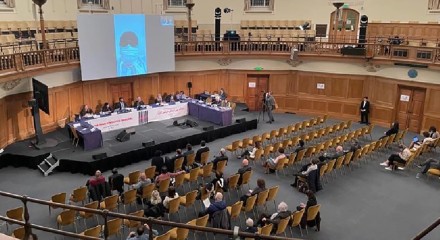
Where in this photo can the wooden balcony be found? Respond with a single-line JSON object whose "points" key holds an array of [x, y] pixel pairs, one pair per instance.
{"points": [[25, 64]]}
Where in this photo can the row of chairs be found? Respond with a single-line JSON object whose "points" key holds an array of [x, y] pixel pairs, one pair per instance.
{"points": [[273, 24], [25, 27]]}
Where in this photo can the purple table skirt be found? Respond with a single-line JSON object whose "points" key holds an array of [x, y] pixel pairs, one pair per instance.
{"points": [[90, 140], [209, 114]]}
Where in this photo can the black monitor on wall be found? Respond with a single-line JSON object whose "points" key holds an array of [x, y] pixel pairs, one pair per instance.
{"points": [[41, 95]]}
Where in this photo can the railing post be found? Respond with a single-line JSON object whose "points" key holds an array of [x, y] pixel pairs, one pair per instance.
{"points": [[105, 216], [150, 226], [27, 227]]}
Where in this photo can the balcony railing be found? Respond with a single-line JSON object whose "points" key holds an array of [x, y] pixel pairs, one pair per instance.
{"points": [[407, 51], [105, 214]]}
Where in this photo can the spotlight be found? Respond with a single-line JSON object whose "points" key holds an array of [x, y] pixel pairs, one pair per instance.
{"points": [[227, 10], [218, 12], [305, 26]]}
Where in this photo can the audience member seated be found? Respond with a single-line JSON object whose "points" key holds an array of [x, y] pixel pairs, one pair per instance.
{"points": [[250, 228], [106, 108], [203, 148], [181, 95], [271, 163], [433, 132], [244, 168], [172, 194], [261, 186], [311, 201], [116, 181], [121, 105], [300, 146], [217, 205], [143, 181], [393, 130], [428, 164], [141, 233], [304, 172], [154, 207], [86, 111], [207, 190], [219, 183], [170, 161], [98, 187], [400, 157], [138, 104], [221, 156], [189, 151], [251, 155], [158, 99], [354, 145], [275, 218], [158, 161], [329, 156], [166, 175]]}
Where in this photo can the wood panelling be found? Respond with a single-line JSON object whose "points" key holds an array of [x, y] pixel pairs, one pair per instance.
{"points": [[407, 30], [294, 91]]}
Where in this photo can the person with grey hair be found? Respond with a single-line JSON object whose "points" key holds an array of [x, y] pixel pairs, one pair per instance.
{"points": [[220, 157], [339, 151], [218, 205], [275, 218], [250, 228]]}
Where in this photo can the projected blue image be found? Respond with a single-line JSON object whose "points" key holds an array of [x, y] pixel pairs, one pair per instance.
{"points": [[130, 45], [166, 20]]}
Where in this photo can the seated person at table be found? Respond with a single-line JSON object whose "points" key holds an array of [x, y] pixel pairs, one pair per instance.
{"points": [[158, 99], [138, 103], [203, 148], [85, 111], [271, 162], [222, 94], [121, 105], [170, 98], [181, 95], [106, 108], [220, 157]]}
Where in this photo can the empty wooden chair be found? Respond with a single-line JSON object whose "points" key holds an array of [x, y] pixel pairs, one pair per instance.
{"points": [[57, 198], [173, 207], [110, 203], [114, 227], [150, 172], [235, 209], [249, 207], [87, 215], [296, 221], [16, 213], [233, 183], [266, 230], [18, 233], [132, 178], [206, 171], [129, 198], [178, 164], [189, 200], [192, 176], [233, 147], [165, 236], [204, 158], [131, 223], [79, 195], [65, 218], [271, 196], [261, 199], [92, 232]]}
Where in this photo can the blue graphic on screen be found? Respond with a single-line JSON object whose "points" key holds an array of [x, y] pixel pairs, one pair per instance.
{"points": [[130, 44], [166, 21]]}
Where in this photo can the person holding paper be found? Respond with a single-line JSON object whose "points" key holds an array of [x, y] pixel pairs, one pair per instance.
{"points": [[218, 205], [261, 186]]}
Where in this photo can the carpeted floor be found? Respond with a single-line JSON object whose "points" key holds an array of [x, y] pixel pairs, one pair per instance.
{"points": [[365, 203]]}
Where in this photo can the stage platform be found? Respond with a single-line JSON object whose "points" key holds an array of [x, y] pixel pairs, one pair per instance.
{"points": [[166, 136]]}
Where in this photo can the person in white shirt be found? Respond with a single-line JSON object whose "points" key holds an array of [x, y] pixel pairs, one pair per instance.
{"points": [[400, 157]]}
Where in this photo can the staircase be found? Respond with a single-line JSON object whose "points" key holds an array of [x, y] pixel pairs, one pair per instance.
{"points": [[48, 165]]}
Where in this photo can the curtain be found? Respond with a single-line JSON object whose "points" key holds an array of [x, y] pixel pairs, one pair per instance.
{"points": [[79, 3], [10, 3], [105, 4], [271, 5], [247, 5]]}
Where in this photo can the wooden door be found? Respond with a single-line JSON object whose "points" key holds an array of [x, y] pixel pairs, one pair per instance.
{"points": [[410, 108], [124, 90], [344, 26], [256, 86]]}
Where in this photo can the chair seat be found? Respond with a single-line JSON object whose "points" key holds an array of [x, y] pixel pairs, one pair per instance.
{"points": [[102, 205], [173, 233], [434, 172], [187, 176]]}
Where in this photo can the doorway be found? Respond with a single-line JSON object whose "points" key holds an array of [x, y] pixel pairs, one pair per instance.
{"points": [[410, 107], [344, 26], [256, 86], [124, 90]]}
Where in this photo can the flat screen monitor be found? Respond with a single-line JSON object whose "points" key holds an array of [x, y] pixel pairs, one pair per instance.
{"points": [[41, 95]]}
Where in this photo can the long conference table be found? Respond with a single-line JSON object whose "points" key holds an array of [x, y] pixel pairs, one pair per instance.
{"points": [[153, 113]]}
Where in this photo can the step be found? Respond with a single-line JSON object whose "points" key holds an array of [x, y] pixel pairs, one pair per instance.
{"points": [[50, 161], [44, 166]]}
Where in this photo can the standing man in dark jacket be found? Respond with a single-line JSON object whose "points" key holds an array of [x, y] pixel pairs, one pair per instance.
{"points": [[365, 110], [158, 161], [270, 105], [203, 148]]}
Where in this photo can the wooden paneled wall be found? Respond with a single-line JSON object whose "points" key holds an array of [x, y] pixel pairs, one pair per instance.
{"points": [[294, 91], [412, 30]]}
